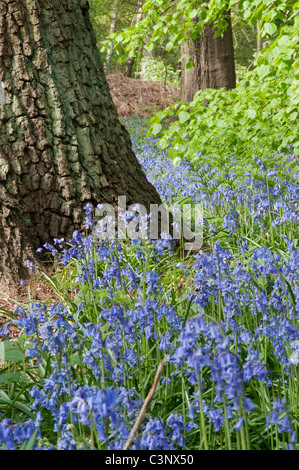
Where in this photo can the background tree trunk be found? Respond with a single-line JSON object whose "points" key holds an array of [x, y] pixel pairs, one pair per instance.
{"points": [[131, 60], [112, 30], [61, 142], [129, 67], [259, 44], [214, 65], [190, 79]]}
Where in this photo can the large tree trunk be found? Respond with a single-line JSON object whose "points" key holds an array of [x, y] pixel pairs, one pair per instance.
{"points": [[190, 79], [61, 142], [214, 65]]}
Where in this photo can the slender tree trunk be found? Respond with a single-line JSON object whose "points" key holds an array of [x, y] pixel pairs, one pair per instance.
{"points": [[112, 30], [2, 95], [129, 67], [61, 142], [259, 44], [214, 65], [131, 60]]}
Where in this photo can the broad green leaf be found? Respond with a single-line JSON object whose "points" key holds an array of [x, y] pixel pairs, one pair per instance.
{"points": [[14, 355], [183, 116], [193, 14], [75, 359], [156, 128], [9, 352], [270, 28], [150, 46], [251, 113], [163, 143], [169, 46], [263, 70], [189, 64], [9, 377]]}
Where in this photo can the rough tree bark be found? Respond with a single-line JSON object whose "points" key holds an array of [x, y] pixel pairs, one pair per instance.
{"points": [[214, 65], [190, 79], [61, 142]]}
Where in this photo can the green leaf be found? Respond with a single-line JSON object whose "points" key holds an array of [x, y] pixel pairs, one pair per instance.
{"points": [[176, 161], [4, 398], [150, 46], [183, 116], [193, 14], [189, 64], [14, 355], [75, 359], [9, 376], [163, 143], [169, 46], [293, 116], [251, 113], [284, 40], [9, 352], [263, 70], [8, 313], [270, 28], [30, 443], [156, 128]]}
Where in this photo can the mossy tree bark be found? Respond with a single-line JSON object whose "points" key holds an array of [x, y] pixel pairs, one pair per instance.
{"points": [[61, 142]]}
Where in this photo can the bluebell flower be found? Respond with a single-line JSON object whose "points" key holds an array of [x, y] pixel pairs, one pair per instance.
{"points": [[239, 424], [216, 418]]}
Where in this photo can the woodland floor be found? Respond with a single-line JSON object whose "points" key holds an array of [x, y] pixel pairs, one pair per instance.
{"points": [[39, 291], [130, 96], [140, 97]]}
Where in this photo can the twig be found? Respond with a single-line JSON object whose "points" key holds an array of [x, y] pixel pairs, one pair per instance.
{"points": [[145, 405]]}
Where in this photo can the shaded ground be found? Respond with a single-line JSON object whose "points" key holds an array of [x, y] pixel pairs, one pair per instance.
{"points": [[141, 97], [34, 289]]}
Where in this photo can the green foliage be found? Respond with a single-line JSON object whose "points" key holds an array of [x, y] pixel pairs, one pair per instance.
{"points": [[100, 18], [245, 43], [156, 70], [260, 115], [174, 21], [100, 13]]}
